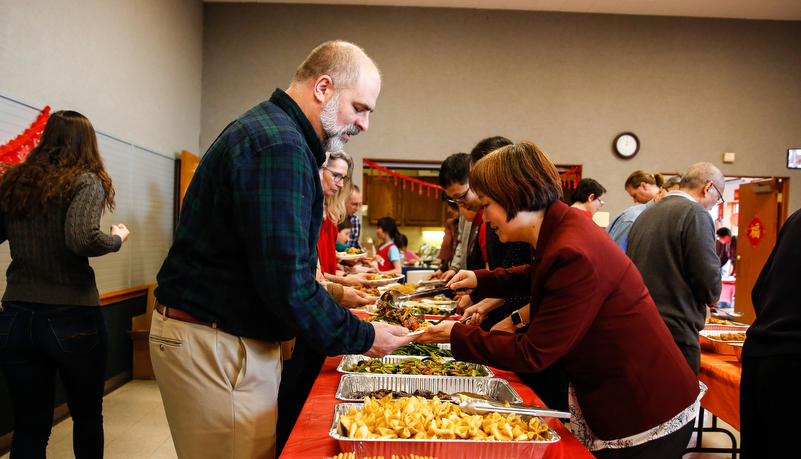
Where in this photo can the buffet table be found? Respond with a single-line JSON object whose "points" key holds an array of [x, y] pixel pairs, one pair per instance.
{"points": [[721, 374], [309, 438]]}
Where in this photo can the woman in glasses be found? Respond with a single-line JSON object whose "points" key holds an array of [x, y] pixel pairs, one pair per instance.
{"points": [[631, 394], [588, 196], [335, 180]]}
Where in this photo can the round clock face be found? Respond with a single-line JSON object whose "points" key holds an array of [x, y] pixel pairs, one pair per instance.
{"points": [[626, 145]]}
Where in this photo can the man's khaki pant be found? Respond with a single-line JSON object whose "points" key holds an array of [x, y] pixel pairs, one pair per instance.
{"points": [[219, 390]]}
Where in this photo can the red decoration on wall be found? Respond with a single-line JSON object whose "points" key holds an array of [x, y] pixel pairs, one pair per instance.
{"points": [[570, 178], [403, 178], [17, 149], [755, 231]]}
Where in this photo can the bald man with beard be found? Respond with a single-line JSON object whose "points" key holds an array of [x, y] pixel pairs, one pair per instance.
{"points": [[240, 276]]}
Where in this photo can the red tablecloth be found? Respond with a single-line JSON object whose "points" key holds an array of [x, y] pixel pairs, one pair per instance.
{"points": [[721, 373], [309, 438]]}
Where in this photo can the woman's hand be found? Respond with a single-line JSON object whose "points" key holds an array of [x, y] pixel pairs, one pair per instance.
{"points": [[463, 302], [476, 314], [121, 231], [353, 298], [361, 280], [437, 333], [465, 280], [479, 311]]}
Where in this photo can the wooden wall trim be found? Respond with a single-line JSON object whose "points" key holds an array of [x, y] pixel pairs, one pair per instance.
{"points": [[122, 295]]}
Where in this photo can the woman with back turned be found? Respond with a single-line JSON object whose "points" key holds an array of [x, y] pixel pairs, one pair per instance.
{"points": [[51, 320]]}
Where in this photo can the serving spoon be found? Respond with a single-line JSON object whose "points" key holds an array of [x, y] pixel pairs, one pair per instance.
{"points": [[472, 405], [395, 299]]}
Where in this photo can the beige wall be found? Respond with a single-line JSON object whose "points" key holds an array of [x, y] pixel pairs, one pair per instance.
{"points": [[132, 67], [690, 88]]}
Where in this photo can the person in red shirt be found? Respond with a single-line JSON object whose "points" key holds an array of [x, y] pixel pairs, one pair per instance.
{"points": [[388, 255], [334, 176]]}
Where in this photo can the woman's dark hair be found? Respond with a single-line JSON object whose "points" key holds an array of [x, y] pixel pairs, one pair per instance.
{"points": [[585, 188], [487, 146], [388, 225], [536, 183], [67, 149]]}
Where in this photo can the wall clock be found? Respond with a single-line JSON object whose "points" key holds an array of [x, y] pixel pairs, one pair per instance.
{"points": [[626, 145]]}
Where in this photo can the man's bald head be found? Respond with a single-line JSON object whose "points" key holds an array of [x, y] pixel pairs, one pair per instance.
{"points": [[344, 62]]}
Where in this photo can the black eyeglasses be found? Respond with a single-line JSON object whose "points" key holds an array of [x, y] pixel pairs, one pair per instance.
{"points": [[337, 177], [720, 195], [460, 198]]}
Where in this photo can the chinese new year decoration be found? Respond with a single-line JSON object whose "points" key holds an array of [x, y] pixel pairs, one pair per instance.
{"points": [[18, 148], [755, 231], [412, 181], [570, 178]]}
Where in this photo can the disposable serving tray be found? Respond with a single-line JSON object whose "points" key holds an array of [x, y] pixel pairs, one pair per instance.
{"points": [[725, 328], [441, 449], [738, 350], [352, 359], [495, 388], [709, 343]]}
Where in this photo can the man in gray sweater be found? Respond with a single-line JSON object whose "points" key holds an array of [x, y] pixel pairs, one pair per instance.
{"points": [[673, 245]]}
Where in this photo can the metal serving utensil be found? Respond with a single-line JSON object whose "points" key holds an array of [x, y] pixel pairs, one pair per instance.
{"points": [[447, 314], [395, 299], [478, 406]]}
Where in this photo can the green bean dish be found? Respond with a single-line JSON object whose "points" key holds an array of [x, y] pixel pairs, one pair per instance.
{"points": [[413, 366]]}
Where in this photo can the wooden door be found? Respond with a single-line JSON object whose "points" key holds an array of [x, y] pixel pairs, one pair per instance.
{"points": [[763, 209], [189, 164], [423, 209], [382, 198]]}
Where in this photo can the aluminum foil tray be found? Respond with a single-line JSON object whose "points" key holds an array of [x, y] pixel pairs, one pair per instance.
{"points": [[725, 328], [441, 449], [496, 388], [352, 359], [738, 350], [709, 343]]}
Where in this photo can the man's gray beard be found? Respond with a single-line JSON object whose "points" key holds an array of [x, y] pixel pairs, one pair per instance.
{"points": [[332, 136]]}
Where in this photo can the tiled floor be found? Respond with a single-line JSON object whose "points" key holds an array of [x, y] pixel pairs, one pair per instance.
{"points": [[136, 428], [134, 423]]}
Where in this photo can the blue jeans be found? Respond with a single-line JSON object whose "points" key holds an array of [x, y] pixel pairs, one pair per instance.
{"points": [[35, 341]]}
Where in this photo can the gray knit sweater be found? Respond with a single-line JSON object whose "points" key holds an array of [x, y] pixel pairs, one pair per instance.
{"points": [[672, 244], [49, 251]]}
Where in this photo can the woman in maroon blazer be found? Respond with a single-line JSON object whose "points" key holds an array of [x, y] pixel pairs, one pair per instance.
{"points": [[632, 393]]}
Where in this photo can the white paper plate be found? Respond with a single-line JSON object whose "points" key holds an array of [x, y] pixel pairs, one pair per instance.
{"points": [[350, 257], [388, 281]]}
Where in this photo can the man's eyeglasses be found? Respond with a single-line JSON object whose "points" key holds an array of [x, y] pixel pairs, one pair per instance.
{"points": [[600, 200], [720, 195], [337, 177], [460, 198]]}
